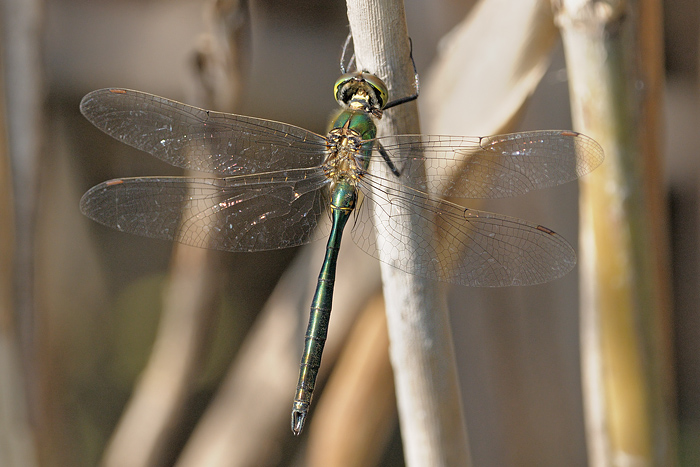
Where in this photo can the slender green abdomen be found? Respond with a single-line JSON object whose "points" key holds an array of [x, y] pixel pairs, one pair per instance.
{"points": [[343, 200]]}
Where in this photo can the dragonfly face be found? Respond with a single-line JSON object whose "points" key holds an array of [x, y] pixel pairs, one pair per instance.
{"points": [[361, 91]]}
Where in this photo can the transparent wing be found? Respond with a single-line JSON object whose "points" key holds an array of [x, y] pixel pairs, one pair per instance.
{"points": [[202, 140], [244, 213], [493, 166], [459, 245]]}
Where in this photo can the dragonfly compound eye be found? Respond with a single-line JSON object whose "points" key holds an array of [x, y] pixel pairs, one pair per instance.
{"points": [[380, 91]]}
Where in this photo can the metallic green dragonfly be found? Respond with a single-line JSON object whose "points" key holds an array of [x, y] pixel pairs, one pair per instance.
{"points": [[278, 186]]}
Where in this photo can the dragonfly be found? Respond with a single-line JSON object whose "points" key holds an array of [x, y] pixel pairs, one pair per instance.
{"points": [[274, 185]]}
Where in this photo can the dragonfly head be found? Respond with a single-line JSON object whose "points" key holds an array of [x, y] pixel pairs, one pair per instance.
{"points": [[361, 91]]}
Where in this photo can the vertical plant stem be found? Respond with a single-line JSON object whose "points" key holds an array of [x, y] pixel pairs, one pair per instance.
{"points": [[339, 433], [23, 88], [624, 284], [17, 444], [156, 410], [421, 349]]}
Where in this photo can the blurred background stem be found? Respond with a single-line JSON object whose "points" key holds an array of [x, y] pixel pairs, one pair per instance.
{"points": [[22, 379], [615, 69], [156, 410], [17, 441]]}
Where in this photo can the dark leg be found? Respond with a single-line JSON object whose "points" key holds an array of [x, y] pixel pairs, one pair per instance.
{"points": [[403, 100], [387, 159]]}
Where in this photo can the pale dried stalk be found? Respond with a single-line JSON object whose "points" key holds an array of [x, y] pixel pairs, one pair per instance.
{"points": [[487, 68], [357, 414], [624, 302], [17, 445], [421, 351], [251, 412], [155, 411], [22, 140], [252, 409], [22, 36]]}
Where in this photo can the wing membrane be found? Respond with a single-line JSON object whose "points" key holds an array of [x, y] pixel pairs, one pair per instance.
{"points": [[197, 139], [459, 245], [245, 213], [494, 166]]}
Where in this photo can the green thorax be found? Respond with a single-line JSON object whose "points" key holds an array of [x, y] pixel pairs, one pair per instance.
{"points": [[356, 120], [359, 129]]}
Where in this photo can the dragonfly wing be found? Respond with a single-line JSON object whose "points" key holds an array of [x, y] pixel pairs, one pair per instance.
{"points": [[198, 139], [244, 213], [493, 166], [457, 244]]}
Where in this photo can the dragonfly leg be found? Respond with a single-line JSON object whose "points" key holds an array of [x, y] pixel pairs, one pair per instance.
{"points": [[412, 97], [387, 159], [343, 68], [394, 103]]}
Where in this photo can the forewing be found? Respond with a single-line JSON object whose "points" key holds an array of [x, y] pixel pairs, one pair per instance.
{"points": [[244, 213], [491, 167], [198, 139]]}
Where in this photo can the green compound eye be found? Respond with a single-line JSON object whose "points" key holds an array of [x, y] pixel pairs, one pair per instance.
{"points": [[341, 87], [361, 86], [380, 90]]}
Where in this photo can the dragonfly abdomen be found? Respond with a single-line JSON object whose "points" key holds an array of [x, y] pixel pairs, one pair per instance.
{"points": [[343, 200]]}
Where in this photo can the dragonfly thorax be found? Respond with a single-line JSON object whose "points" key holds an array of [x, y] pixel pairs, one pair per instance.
{"points": [[345, 161]]}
